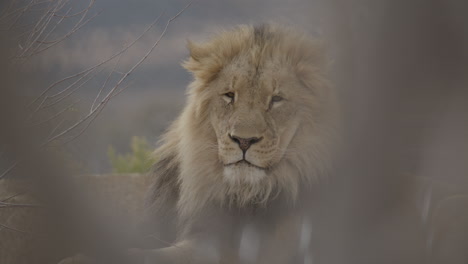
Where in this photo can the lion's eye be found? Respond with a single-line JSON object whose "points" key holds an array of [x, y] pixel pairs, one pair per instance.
{"points": [[276, 99], [229, 97]]}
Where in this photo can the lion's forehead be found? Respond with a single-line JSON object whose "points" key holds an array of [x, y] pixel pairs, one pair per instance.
{"points": [[257, 81], [255, 89]]}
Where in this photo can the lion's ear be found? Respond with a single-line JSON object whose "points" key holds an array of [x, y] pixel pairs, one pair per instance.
{"points": [[193, 64], [203, 66], [196, 51]]}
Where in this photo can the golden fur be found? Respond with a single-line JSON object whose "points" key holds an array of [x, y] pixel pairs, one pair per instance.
{"points": [[255, 63], [262, 85]]}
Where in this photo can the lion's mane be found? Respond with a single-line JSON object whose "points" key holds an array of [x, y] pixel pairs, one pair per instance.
{"points": [[189, 173]]}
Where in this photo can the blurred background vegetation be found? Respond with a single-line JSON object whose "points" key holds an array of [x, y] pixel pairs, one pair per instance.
{"points": [[139, 160]]}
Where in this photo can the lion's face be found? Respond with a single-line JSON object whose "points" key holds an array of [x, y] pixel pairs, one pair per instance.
{"points": [[257, 104], [255, 117]]}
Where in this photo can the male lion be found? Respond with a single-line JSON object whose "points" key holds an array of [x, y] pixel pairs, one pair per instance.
{"points": [[254, 135], [235, 167]]}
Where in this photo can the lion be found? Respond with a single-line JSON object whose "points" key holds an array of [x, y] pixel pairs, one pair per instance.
{"points": [[236, 168], [253, 138]]}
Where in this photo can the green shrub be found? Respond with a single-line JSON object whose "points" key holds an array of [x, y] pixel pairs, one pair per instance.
{"points": [[138, 161]]}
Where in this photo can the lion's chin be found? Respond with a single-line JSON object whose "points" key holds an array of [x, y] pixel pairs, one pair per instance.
{"points": [[243, 173]]}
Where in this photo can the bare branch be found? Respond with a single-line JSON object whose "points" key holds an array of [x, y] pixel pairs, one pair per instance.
{"points": [[71, 92], [86, 9], [98, 64], [56, 128], [39, 28], [55, 115], [81, 78], [57, 41], [82, 22], [105, 83], [10, 205], [14, 229], [11, 197], [7, 171], [40, 106], [106, 99]]}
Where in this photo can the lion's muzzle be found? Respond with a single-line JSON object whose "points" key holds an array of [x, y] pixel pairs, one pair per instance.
{"points": [[244, 143]]}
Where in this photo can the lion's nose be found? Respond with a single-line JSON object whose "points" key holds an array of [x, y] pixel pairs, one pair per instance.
{"points": [[245, 143]]}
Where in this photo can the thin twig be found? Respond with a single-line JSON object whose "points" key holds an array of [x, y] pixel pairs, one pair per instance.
{"points": [[92, 2], [15, 229], [106, 99], [4, 205], [9, 169], [11, 197], [41, 105], [55, 115], [105, 83], [71, 32], [72, 91], [40, 28], [54, 27], [96, 65]]}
